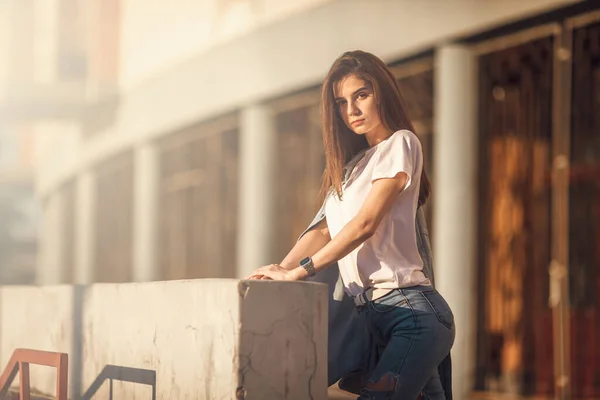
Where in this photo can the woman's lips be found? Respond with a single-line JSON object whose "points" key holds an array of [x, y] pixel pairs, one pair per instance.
{"points": [[358, 122]]}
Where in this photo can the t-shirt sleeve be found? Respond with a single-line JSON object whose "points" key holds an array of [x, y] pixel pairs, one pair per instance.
{"points": [[397, 154]]}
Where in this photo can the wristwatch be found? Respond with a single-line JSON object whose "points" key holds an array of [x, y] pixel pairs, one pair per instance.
{"points": [[307, 264]]}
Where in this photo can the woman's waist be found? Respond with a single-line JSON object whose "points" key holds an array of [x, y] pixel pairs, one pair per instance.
{"points": [[356, 283], [382, 275], [374, 293], [376, 268]]}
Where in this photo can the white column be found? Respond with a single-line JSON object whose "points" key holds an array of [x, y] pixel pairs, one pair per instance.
{"points": [[256, 203], [51, 260], [85, 203], [455, 205], [145, 218]]}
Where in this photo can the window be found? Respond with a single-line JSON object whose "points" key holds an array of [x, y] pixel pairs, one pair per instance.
{"points": [[199, 201]]}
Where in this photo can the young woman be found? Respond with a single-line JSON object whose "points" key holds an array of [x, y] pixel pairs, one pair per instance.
{"points": [[372, 187]]}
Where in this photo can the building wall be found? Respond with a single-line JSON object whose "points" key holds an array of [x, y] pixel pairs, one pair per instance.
{"points": [[156, 37], [278, 58], [5, 41], [20, 214]]}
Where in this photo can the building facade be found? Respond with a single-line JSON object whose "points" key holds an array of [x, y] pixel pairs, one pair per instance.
{"points": [[194, 152]]}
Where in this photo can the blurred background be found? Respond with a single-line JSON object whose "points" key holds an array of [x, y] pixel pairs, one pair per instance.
{"points": [[160, 140]]}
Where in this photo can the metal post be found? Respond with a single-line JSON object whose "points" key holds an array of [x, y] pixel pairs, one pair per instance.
{"points": [[24, 384], [559, 267]]}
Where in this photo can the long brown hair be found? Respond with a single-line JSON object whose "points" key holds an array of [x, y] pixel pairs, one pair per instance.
{"points": [[342, 144]]}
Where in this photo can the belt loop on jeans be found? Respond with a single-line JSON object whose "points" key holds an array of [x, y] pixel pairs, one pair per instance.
{"points": [[361, 299]]}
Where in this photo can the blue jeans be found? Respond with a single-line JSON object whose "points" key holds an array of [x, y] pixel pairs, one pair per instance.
{"points": [[415, 328]]}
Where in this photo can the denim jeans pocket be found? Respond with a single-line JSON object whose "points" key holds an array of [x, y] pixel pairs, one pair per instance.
{"points": [[388, 302], [440, 307]]}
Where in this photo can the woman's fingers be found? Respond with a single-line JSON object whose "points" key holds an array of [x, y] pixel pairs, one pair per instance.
{"points": [[267, 272], [275, 273], [258, 277], [259, 272]]}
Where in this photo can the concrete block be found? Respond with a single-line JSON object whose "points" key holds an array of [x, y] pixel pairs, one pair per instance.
{"points": [[205, 339]]}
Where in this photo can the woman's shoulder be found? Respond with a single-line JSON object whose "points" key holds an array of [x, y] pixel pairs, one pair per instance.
{"points": [[401, 137], [404, 134]]}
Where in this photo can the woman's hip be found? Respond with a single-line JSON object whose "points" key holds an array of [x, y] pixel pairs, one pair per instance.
{"points": [[417, 309]]}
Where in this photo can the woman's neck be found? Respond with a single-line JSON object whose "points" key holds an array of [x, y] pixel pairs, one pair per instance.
{"points": [[375, 137]]}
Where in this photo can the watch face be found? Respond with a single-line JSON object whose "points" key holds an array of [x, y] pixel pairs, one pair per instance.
{"points": [[305, 261]]}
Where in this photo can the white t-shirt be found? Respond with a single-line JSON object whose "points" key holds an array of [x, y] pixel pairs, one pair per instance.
{"points": [[390, 258]]}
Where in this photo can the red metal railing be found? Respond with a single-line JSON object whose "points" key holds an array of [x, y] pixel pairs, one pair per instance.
{"points": [[19, 363]]}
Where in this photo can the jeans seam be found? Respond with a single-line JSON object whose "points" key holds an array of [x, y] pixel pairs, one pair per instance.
{"points": [[436, 312], [398, 367], [412, 339]]}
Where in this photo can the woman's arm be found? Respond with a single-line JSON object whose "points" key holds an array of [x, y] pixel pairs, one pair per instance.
{"points": [[378, 203], [311, 242]]}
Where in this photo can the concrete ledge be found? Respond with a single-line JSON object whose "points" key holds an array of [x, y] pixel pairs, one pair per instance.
{"points": [[195, 339], [39, 318]]}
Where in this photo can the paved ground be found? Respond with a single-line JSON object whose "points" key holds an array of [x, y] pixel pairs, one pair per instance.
{"points": [[336, 394]]}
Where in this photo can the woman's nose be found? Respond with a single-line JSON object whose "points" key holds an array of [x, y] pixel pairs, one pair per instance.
{"points": [[353, 110]]}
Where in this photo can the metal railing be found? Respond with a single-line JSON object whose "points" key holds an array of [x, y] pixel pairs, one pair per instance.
{"points": [[112, 373], [19, 363]]}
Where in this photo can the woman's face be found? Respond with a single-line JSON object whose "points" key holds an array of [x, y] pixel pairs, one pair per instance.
{"points": [[356, 104]]}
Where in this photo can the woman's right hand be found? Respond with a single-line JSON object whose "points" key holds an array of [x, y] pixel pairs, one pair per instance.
{"points": [[255, 275]]}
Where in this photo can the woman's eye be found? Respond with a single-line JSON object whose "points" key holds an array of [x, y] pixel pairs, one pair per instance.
{"points": [[362, 95]]}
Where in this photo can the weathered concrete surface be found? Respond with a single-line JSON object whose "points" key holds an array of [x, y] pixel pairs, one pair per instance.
{"points": [[185, 331], [207, 339], [39, 318], [197, 339], [283, 340]]}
